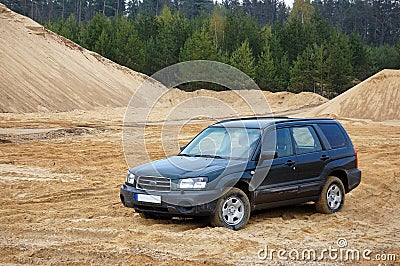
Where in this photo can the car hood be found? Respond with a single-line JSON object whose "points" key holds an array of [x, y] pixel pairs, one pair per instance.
{"points": [[177, 167]]}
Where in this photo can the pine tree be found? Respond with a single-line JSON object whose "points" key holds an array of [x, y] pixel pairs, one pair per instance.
{"points": [[282, 74], [339, 64], [242, 58], [147, 26], [383, 57], [127, 48], [241, 27], [358, 56], [70, 28], [320, 68], [95, 28], [199, 46], [164, 48], [294, 37], [103, 44], [135, 53], [302, 72], [265, 71]]}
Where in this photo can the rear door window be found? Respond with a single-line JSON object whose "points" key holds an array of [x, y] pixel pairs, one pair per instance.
{"points": [[305, 140], [334, 135], [284, 145]]}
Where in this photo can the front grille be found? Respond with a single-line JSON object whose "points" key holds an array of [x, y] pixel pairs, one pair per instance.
{"points": [[153, 183]]}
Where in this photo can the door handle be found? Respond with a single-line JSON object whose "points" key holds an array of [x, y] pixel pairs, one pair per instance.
{"points": [[324, 157], [290, 163]]}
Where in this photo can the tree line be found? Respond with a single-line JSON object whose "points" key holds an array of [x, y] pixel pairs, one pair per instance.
{"points": [[376, 21], [323, 46]]}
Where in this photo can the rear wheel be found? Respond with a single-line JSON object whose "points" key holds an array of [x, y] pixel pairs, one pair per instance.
{"points": [[232, 210], [332, 196]]}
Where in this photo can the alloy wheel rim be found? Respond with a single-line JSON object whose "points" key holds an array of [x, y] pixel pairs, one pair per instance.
{"points": [[334, 197], [233, 210]]}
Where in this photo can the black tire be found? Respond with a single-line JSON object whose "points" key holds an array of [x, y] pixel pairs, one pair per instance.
{"points": [[232, 210], [332, 196]]}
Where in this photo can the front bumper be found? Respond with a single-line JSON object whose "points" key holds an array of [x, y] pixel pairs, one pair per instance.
{"points": [[173, 203]]}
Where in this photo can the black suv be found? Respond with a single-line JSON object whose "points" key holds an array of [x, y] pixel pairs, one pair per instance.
{"points": [[240, 165]]}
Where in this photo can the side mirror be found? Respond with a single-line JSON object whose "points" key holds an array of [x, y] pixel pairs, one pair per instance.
{"points": [[268, 155], [182, 147]]}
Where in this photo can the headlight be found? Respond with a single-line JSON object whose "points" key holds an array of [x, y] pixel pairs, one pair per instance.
{"points": [[130, 178], [193, 183]]}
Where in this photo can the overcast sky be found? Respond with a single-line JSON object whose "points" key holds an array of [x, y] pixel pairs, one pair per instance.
{"points": [[289, 2]]}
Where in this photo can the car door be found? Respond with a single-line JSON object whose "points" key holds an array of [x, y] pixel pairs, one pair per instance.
{"points": [[311, 159], [280, 180]]}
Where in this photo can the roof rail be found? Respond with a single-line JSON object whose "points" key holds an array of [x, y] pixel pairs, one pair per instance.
{"points": [[252, 117]]}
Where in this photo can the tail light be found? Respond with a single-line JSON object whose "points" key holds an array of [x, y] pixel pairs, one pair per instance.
{"points": [[355, 154]]}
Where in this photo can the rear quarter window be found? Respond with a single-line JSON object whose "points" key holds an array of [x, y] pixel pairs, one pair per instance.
{"points": [[334, 135]]}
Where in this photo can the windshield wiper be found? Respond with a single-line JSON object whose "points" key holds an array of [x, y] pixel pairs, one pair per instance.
{"points": [[184, 154], [209, 156]]}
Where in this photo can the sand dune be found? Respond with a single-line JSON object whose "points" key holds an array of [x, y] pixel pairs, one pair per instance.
{"points": [[376, 98], [42, 71], [277, 101]]}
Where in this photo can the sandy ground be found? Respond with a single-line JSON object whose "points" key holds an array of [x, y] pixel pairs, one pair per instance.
{"points": [[60, 202]]}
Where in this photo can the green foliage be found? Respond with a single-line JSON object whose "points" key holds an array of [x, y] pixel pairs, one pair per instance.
{"points": [[127, 47], [218, 25], [324, 68], [70, 28], [266, 70], [323, 47], [103, 44], [302, 11], [147, 26], [359, 59], [321, 69], [241, 27], [99, 25], [302, 72], [295, 36], [163, 45], [199, 46], [193, 8], [242, 58], [384, 57], [282, 77], [339, 64]]}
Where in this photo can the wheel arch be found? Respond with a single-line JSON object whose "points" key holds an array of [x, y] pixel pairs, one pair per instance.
{"points": [[342, 175], [244, 186]]}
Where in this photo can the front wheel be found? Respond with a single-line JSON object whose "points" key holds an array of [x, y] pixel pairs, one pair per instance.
{"points": [[332, 196], [232, 210]]}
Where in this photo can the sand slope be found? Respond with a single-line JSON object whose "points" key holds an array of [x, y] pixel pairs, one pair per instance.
{"points": [[42, 71], [377, 98], [279, 100]]}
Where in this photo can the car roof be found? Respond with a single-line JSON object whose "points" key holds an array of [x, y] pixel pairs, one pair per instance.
{"points": [[261, 122]]}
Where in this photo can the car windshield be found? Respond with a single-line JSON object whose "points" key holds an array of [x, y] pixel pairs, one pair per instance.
{"points": [[220, 142]]}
